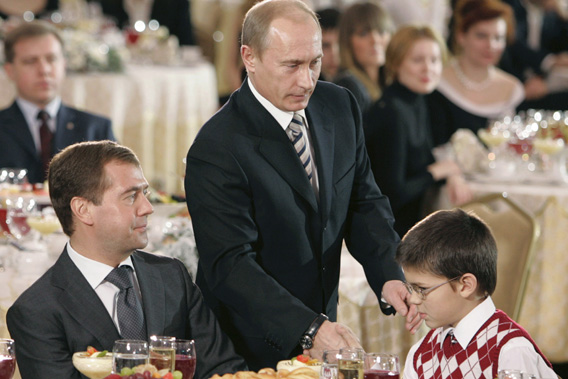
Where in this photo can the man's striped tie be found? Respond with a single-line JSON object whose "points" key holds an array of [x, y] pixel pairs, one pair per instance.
{"points": [[298, 139]]}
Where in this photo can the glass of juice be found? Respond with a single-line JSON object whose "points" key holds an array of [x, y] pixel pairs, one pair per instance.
{"points": [[186, 358], [128, 353], [7, 358], [380, 365], [162, 352], [350, 363]]}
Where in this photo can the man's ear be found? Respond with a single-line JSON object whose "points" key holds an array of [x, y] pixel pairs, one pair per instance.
{"points": [[468, 285], [81, 209], [249, 58]]}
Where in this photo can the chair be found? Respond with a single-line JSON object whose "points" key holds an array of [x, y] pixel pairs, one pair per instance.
{"points": [[516, 233]]}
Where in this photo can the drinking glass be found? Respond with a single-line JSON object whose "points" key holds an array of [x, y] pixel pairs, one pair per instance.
{"points": [[510, 374], [350, 363], [45, 222], [128, 353], [93, 367], [16, 217], [7, 358], [12, 177], [379, 365], [329, 365], [186, 358], [162, 352]]}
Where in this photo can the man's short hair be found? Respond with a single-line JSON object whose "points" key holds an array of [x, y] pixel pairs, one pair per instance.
{"points": [[28, 30], [329, 18], [256, 25], [79, 171], [451, 243]]}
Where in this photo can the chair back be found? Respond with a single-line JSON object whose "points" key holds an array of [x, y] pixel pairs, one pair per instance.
{"points": [[516, 233]]}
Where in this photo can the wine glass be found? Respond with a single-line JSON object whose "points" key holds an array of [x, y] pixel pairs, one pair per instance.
{"points": [[7, 358], [16, 217], [93, 366], [128, 353], [329, 365], [186, 358], [162, 352], [43, 221], [350, 363], [379, 365], [548, 148]]}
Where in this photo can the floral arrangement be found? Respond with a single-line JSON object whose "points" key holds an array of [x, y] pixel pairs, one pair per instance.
{"points": [[86, 52]]}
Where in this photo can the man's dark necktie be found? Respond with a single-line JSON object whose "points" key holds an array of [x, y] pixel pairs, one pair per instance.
{"points": [[129, 309], [45, 137]]}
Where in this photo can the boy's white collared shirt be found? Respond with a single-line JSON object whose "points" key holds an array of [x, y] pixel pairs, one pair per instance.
{"points": [[518, 353]]}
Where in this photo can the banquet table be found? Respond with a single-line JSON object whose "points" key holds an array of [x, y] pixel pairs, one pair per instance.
{"points": [[544, 309], [155, 110]]}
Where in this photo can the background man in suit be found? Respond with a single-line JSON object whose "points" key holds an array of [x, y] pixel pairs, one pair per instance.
{"points": [[37, 125], [269, 224], [100, 196]]}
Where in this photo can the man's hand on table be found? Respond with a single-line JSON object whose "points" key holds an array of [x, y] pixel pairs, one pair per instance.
{"points": [[396, 294], [332, 336]]}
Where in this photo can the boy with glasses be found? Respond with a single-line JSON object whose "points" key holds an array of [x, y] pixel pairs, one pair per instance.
{"points": [[450, 263]]}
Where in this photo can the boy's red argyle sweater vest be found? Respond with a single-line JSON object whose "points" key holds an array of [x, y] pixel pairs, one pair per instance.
{"points": [[479, 360]]}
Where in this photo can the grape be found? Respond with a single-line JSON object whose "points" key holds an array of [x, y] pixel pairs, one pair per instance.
{"points": [[147, 375], [126, 371], [178, 375]]}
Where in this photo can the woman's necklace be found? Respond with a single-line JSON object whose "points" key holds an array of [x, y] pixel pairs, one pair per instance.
{"points": [[470, 84]]}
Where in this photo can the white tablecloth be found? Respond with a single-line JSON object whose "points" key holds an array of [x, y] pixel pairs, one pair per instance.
{"points": [[155, 110]]}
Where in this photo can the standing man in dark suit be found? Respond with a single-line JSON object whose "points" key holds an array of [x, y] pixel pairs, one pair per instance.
{"points": [[99, 193], [37, 125], [275, 182]]}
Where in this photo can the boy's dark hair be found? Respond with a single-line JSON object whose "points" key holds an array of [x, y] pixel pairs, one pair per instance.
{"points": [[451, 243]]}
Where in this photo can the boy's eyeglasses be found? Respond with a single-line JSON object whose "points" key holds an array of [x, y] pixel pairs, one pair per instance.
{"points": [[423, 292]]}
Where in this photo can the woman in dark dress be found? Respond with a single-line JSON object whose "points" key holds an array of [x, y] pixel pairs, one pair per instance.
{"points": [[364, 33], [473, 90], [398, 133]]}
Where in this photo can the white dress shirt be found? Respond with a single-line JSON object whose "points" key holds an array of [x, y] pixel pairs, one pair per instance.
{"points": [[95, 273], [284, 119], [517, 354], [30, 112]]}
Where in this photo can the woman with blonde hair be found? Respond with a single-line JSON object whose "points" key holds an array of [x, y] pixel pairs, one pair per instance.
{"points": [[398, 133], [364, 33], [473, 90]]}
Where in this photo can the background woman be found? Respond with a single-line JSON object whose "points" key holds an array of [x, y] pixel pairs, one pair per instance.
{"points": [[473, 90], [398, 133], [364, 33]]}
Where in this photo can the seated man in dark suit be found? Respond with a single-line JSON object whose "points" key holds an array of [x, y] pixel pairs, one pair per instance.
{"points": [[100, 194], [37, 125]]}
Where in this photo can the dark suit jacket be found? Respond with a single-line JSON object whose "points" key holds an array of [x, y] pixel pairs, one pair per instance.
{"points": [[269, 250], [399, 141], [519, 56], [61, 314], [17, 145]]}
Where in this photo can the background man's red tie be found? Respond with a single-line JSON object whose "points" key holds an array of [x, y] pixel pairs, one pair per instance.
{"points": [[46, 138]]}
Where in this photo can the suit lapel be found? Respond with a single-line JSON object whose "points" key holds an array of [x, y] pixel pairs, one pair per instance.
{"points": [[323, 138], [17, 126], [153, 295], [275, 146], [81, 301], [65, 125]]}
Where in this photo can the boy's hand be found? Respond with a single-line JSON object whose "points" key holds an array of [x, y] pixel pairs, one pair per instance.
{"points": [[396, 294]]}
